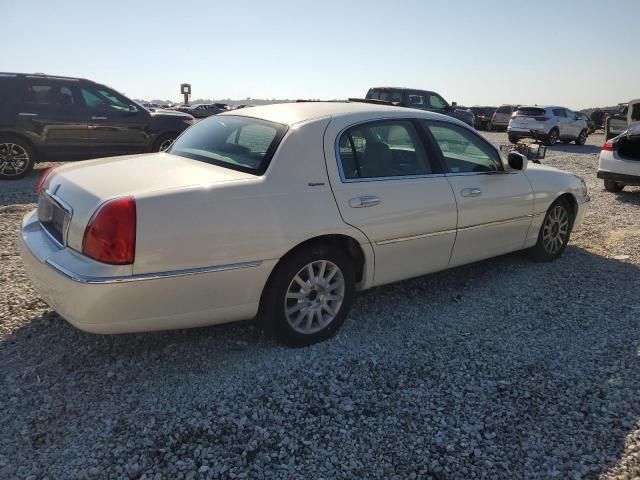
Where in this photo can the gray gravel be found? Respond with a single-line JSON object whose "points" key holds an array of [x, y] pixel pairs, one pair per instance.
{"points": [[502, 369]]}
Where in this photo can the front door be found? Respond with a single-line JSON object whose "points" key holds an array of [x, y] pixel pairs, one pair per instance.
{"points": [[51, 111], [116, 126], [495, 207], [388, 184]]}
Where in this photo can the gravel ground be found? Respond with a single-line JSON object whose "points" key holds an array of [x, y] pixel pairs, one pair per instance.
{"points": [[501, 369]]}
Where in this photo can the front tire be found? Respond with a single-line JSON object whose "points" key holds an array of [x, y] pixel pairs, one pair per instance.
{"points": [[164, 142], [611, 186], [17, 158], [554, 233], [309, 294]]}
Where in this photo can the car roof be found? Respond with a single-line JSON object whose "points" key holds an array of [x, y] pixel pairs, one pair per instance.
{"points": [[40, 75], [292, 113]]}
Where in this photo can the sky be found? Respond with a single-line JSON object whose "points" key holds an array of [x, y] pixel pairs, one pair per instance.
{"points": [[575, 53]]}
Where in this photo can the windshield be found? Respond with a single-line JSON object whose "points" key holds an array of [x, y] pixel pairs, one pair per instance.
{"points": [[240, 143], [386, 94]]}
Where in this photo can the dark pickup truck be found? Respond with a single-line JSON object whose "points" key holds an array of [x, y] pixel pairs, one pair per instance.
{"points": [[422, 100]]}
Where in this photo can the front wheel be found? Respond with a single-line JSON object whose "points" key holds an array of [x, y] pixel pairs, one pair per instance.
{"points": [[582, 138], [611, 186], [17, 158], [554, 233], [164, 142], [309, 295]]}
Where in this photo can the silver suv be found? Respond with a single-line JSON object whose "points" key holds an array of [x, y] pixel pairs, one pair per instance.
{"points": [[501, 117], [549, 124]]}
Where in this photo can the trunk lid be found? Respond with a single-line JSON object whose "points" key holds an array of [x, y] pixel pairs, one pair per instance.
{"points": [[82, 186]]}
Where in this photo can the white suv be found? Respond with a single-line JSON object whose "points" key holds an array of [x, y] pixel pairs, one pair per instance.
{"points": [[549, 124]]}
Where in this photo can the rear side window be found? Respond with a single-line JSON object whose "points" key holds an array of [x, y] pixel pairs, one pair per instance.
{"points": [[559, 112], [383, 149], [239, 143], [47, 94], [464, 151], [387, 95]]}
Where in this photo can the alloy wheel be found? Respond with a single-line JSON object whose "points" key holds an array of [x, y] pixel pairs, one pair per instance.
{"points": [[553, 137], [14, 159], [314, 297], [555, 229]]}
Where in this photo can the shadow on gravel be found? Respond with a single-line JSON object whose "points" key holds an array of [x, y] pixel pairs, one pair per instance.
{"points": [[505, 368], [573, 148], [630, 195], [20, 191]]}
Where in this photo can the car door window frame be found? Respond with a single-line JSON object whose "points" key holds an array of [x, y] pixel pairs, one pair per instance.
{"points": [[432, 154], [431, 138]]}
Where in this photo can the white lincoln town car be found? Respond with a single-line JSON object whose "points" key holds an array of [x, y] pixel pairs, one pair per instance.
{"points": [[283, 212]]}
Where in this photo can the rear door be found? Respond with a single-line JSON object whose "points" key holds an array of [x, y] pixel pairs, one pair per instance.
{"points": [[116, 125], [494, 207], [51, 113], [391, 187], [633, 113]]}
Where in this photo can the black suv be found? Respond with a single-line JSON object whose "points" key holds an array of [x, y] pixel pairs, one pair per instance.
{"points": [[420, 99], [58, 118]]}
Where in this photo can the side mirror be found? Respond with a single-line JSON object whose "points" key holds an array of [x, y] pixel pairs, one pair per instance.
{"points": [[133, 109], [454, 105], [517, 161]]}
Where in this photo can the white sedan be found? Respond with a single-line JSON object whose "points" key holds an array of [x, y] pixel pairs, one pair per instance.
{"points": [[284, 212]]}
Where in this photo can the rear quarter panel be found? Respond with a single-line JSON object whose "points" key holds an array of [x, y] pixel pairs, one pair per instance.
{"points": [[256, 219]]}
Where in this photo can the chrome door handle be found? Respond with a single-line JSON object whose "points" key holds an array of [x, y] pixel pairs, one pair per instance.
{"points": [[98, 118], [471, 192], [27, 114], [366, 201]]}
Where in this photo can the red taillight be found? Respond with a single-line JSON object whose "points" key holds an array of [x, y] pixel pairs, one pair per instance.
{"points": [[43, 179], [110, 236], [541, 119], [610, 146]]}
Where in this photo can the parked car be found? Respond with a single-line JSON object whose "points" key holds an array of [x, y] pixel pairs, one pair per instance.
{"points": [[502, 116], [278, 211], [483, 117], [619, 163], [550, 124], [421, 100], [59, 118], [207, 109], [591, 125], [620, 121]]}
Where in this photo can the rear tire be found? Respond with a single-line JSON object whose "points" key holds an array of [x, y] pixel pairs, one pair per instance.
{"points": [[164, 142], [17, 157], [611, 186], [582, 138], [308, 295], [552, 138], [554, 233]]}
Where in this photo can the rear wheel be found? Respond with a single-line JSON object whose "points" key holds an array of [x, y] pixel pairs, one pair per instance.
{"points": [[164, 142], [552, 138], [308, 296], [17, 158], [582, 138], [554, 233], [611, 186]]}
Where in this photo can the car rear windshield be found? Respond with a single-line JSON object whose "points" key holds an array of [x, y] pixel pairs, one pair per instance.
{"points": [[386, 94], [504, 109], [530, 112], [239, 143]]}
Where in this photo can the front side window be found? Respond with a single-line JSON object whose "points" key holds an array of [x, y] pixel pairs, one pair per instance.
{"points": [[239, 143], [437, 102], [389, 148], [102, 99], [463, 151]]}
